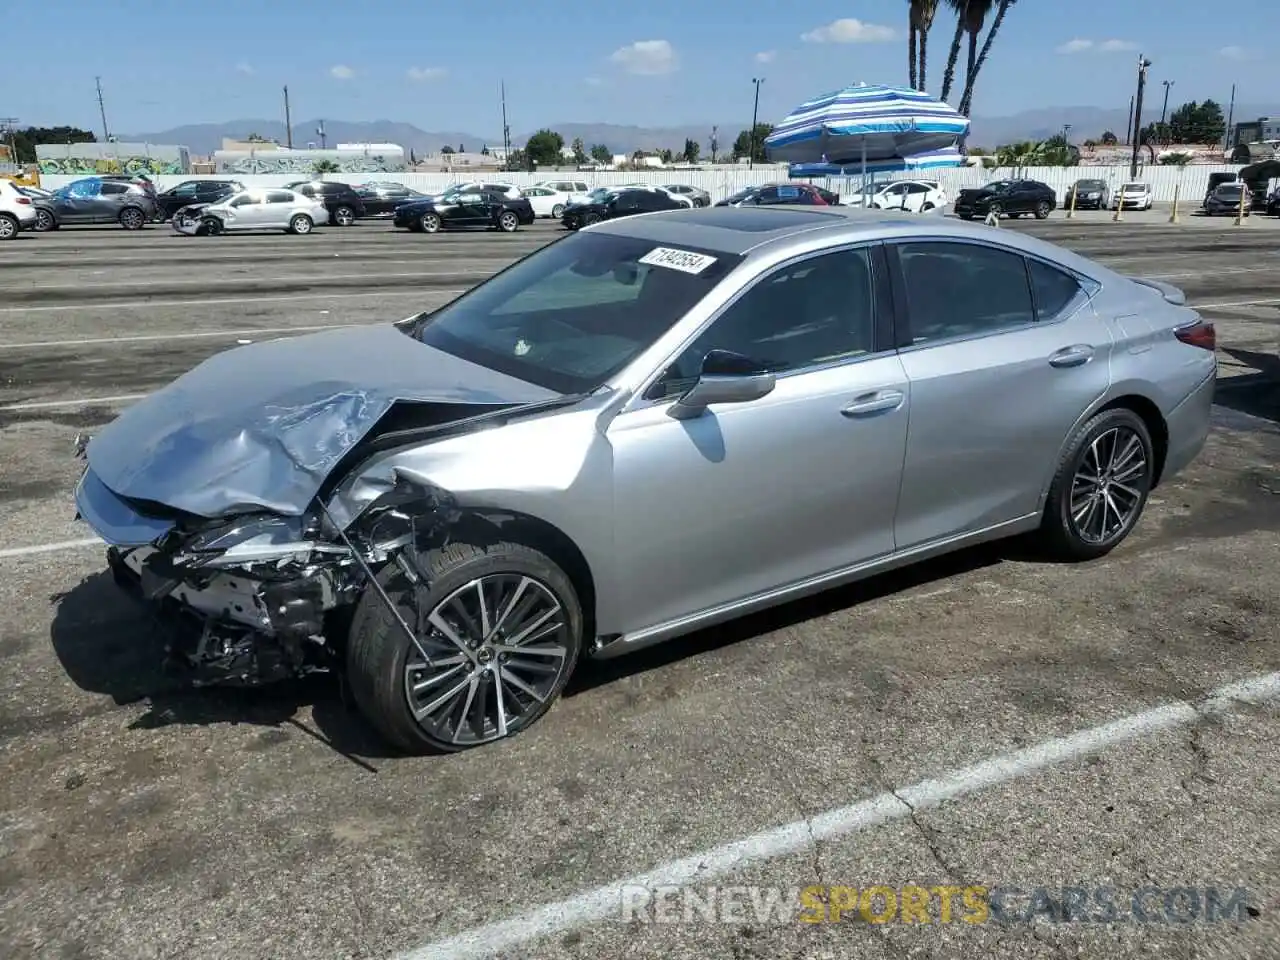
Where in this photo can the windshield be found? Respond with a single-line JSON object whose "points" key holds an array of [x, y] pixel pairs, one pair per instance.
{"points": [[573, 314], [999, 186], [1134, 187], [1089, 184]]}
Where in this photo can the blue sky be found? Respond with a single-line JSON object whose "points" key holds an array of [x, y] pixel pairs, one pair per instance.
{"points": [[653, 63]]}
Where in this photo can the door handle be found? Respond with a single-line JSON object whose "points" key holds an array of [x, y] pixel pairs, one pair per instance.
{"points": [[1072, 356], [878, 402]]}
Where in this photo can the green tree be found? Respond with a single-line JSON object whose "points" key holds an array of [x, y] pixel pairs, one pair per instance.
{"points": [[665, 155], [975, 63], [1177, 158], [1197, 123], [446, 150], [600, 153], [321, 167], [691, 150], [26, 140], [543, 148], [1109, 139], [742, 146], [579, 151]]}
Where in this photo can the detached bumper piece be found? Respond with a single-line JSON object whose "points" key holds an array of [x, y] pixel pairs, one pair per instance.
{"points": [[228, 629]]}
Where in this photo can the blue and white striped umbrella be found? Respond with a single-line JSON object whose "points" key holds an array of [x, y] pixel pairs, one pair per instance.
{"points": [[865, 122], [932, 160]]}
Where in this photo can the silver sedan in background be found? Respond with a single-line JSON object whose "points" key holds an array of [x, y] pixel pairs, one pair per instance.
{"points": [[250, 210], [656, 424]]}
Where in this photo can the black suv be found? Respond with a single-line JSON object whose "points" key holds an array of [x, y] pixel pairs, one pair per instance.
{"points": [[1010, 198], [340, 199], [625, 203], [194, 191]]}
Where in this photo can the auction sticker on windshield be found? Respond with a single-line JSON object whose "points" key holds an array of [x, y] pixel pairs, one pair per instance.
{"points": [[682, 260]]}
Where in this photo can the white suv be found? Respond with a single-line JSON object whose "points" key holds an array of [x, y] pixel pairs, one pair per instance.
{"points": [[17, 212]]}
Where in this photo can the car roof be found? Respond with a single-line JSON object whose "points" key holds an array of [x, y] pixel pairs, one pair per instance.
{"points": [[750, 231]]}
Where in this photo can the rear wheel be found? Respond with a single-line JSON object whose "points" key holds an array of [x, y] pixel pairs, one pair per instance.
{"points": [[557, 211], [131, 218], [429, 223], [1100, 488], [344, 216], [508, 222], [497, 631], [9, 227], [45, 221], [301, 224], [1042, 210]]}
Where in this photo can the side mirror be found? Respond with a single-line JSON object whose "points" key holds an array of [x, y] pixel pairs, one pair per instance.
{"points": [[726, 377]]}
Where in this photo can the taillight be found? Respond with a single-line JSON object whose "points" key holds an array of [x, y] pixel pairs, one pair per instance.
{"points": [[24, 200], [1198, 334]]}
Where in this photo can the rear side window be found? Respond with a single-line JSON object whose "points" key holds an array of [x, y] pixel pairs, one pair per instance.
{"points": [[1057, 293], [964, 290], [114, 189], [279, 196]]}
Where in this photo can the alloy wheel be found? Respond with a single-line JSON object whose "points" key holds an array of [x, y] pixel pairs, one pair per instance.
{"points": [[1109, 486], [498, 649], [344, 217], [509, 222], [44, 221], [132, 219], [8, 228]]}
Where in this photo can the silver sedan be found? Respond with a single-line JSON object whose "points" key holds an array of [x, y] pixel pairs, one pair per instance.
{"points": [[656, 424], [251, 210]]}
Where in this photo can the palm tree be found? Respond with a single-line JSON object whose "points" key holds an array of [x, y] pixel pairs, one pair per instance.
{"points": [[927, 10], [949, 75], [975, 65], [913, 23], [321, 167]]}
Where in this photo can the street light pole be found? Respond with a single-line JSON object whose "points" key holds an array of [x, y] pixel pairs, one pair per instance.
{"points": [[1165, 109], [755, 117], [1143, 64]]}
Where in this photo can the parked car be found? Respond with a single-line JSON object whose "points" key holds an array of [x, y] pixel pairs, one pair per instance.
{"points": [[620, 203], [1089, 195], [194, 191], [489, 208], [652, 426], [253, 210], [1012, 198], [547, 202], [380, 198], [696, 195], [1225, 200], [1133, 196], [683, 200], [572, 187], [101, 200], [1216, 180], [17, 210], [916, 196], [804, 194], [343, 203]]}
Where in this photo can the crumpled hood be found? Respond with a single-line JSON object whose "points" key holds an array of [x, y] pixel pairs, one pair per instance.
{"points": [[262, 426]]}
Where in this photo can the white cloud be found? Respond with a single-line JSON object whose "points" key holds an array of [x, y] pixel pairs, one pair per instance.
{"points": [[245, 69], [766, 56], [646, 57], [848, 31], [1097, 46], [1234, 53], [341, 72], [426, 73]]}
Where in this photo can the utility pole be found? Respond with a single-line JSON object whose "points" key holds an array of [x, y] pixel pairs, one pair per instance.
{"points": [[715, 143], [1231, 112], [324, 140], [506, 130], [1128, 130], [1143, 64], [288, 122], [1165, 109], [10, 125], [102, 111], [755, 117]]}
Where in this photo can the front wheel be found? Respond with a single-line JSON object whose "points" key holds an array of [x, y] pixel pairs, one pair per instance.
{"points": [[508, 222], [301, 224], [9, 227], [1100, 488], [131, 218], [557, 211], [497, 632], [45, 221], [429, 223], [1042, 210], [344, 217]]}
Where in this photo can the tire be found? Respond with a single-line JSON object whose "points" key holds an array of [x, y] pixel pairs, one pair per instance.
{"points": [[212, 226], [557, 211], [45, 221], [382, 662], [344, 217], [1060, 532], [131, 218], [301, 225], [9, 227], [591, 218], [429, 223], [508, 221], [1043, 210]]}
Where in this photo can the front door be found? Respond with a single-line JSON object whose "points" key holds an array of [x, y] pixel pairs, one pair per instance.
{"points": [[248, 211], [750, 497], [998, 380]]}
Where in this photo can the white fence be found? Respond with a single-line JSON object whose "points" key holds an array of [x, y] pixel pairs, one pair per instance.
{"points": [[721, 183]]}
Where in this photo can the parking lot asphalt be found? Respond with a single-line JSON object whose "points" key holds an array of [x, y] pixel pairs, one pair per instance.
{"points": [[905, 731]]}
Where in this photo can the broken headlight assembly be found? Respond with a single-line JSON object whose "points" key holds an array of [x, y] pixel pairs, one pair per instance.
{"points": [[247, 540]]}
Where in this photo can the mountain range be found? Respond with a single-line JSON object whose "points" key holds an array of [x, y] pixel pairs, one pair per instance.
{"points": [[204, 138]]}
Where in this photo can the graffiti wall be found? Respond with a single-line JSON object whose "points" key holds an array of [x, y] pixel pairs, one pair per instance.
{"points": [[303, 162], [88, 166]]}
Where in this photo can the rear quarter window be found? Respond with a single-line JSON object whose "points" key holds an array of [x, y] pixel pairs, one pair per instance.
{"points": [[1057, 293]]}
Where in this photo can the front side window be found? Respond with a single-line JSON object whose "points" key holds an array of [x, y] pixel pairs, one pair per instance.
{"points": [[963, 289], [280, 196], [575, 313], [816, 311]]}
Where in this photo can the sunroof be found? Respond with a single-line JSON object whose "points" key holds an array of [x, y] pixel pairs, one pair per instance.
{"points": [[759, 220]]}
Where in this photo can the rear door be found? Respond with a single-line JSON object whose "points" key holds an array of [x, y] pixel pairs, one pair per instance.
{"points": [[278, 208], [1004, 353], [111, 199]]}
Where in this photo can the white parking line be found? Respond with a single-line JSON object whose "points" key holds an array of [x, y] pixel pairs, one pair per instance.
{"points": [[604, 903], [307, 278], [152, 304], [12, 552], [201, 335], [81, 402], [1235, 303]]}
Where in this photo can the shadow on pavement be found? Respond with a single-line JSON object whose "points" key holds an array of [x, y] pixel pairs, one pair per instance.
{"points": [[1257, 394]]}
